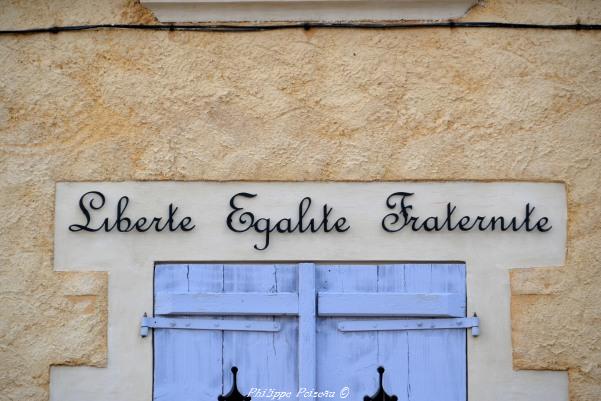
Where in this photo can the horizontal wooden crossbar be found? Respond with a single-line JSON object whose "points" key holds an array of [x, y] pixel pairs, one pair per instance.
{"points": [[390, 304], [242, 303]]}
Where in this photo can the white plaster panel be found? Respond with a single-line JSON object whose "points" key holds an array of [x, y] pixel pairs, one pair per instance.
{"points": [[129, 258], [305, 10]]}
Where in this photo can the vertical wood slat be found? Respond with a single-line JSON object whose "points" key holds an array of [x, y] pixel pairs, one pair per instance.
{"points": [[264, 360], [346, 359], [393, 347], [307, 333], [437, 359], [185, 361]]}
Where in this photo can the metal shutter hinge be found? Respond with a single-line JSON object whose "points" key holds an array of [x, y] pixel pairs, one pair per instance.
{"points": [[472, 323], [205, 324]]}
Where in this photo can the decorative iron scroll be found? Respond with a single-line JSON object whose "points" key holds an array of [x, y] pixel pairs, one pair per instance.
{"points": [[381, 394], [234, 394]]}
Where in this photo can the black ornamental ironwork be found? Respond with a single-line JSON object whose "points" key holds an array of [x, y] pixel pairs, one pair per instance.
{"points": [[381, 394], [234, 394]]}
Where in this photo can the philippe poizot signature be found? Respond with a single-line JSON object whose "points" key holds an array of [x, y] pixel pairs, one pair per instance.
{"points": [[276, 395]]}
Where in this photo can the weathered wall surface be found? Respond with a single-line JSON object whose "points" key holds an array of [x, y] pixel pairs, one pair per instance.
{"points": [[293, 105]]}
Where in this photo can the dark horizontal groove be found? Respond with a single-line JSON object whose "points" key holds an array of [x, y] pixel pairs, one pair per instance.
{"points": [[301, 25]]}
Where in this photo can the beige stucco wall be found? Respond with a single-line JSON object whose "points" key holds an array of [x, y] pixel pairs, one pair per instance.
{"points": [[293, 105]]}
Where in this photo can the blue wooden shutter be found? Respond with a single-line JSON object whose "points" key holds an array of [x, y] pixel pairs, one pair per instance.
{"points": [[262, 319], [421, 365], [194, 365]]}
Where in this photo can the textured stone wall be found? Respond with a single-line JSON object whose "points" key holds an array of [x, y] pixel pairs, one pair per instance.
{"points": [[293, 105]]}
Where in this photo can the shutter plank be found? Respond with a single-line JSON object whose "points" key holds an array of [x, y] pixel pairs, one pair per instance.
{"points": [[346, 359], [437, 358], [227, 303], [264, 360], [391, 304], [306, 326], [187, 362], [393, 348]]}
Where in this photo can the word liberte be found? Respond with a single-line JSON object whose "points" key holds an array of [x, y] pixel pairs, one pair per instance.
{"points": [[241, 220]]}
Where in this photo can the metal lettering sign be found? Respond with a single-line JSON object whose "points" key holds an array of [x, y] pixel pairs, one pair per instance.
{"points": [[304, 219]]}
